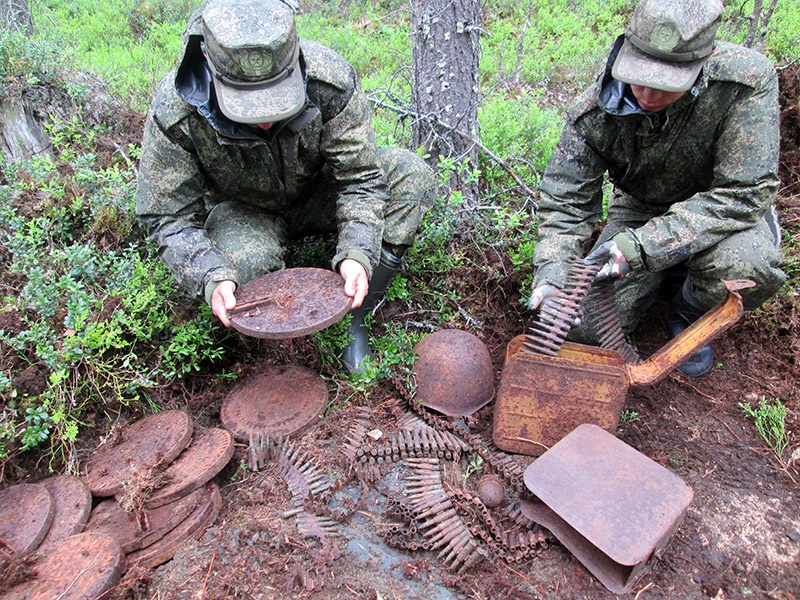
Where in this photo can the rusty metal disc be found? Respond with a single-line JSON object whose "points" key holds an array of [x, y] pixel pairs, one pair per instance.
{"points": [[201, 518], [281, 400], [73, 503], [80, 566], [139, 529], [290, 303], [26, 513], [207, 454], [150, 441]]}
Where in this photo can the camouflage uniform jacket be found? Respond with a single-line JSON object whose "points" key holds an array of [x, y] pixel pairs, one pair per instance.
{"points": [[701, 169], [194, 158]]}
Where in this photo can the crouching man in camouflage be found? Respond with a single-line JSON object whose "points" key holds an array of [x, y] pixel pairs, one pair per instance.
{"points": [[686, 128], [259, 137]]}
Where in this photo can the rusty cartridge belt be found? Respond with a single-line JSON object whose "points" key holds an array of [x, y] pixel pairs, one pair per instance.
{"points": [[595, 302]]}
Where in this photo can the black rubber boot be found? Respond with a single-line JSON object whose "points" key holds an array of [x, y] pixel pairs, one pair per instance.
{"points": [[354, 354], [685, 310]]}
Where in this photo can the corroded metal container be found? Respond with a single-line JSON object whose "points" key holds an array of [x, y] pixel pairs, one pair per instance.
{"points": [[611, 506], [542, 398]]}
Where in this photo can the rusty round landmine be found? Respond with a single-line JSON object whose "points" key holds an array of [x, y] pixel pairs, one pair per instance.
{"points": [[280, 401], [139, 529], [26, 514], [207, 454], [151, 442], [290, 303], [202, 517], [73, 504], [85, 565], [490, 490]]}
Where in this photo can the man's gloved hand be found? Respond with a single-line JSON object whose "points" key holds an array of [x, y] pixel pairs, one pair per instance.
{"points": [[616, 266], [544, 293], [541, 295]]}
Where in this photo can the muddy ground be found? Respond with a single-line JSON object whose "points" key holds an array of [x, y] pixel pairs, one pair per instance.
{"points": [[740, 537], [741, 533]]}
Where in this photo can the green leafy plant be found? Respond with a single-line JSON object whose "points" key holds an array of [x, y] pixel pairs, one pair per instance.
{"points": [[37, 429], [97, 320], [394, 351], [474, 466], [769, 418], [628, 416], [192, 345]]}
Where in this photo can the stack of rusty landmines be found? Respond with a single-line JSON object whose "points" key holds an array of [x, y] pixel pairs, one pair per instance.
{"points": [[152, 490], [419, 470]]}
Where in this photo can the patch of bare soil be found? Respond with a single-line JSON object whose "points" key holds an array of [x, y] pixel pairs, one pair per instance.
{"points": [[740, 537]]}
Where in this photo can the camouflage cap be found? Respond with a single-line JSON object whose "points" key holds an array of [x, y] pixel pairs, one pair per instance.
{"points": [[253, 51], [667, 43]]}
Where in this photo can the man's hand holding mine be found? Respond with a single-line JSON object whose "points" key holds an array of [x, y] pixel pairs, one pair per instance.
{"points": [[223, 300], [356, 282]]}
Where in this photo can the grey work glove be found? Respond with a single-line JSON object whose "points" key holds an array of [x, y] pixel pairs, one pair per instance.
{"points": [[616, 266], [544, 293], [541, 294]]}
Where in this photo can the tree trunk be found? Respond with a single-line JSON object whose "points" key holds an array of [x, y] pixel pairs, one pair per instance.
{"points": [[759, 24], [446, 52], [16, 16], [21, 136]]}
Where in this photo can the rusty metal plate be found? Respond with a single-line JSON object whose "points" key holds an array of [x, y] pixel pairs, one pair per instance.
{"points": [[139, 529], [73, 503], [155, 439], [281, 400], [78, 567], [207, 454], [201, 518], [618, 506], [26, 513], [290, 303]]}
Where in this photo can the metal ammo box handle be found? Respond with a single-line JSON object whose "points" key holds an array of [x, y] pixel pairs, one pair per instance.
{"points": [[708, 327]]}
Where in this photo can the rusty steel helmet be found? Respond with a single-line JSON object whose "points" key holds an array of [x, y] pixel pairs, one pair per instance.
{"points": [[454, 372]]}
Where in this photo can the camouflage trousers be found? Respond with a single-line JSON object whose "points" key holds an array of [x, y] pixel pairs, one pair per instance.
{"points": [[748, 254], [254, 240]]}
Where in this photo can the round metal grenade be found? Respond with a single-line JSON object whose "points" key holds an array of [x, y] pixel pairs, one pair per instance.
{"points": [[490, 490], [453, 372]]}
